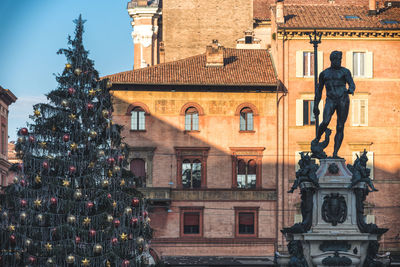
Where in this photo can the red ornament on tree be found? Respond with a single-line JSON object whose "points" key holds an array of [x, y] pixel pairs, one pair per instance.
{"points": [[111, 160], [53, 201], [23, 203], [114, 241], [72, 169], [116, 223], [13, 240], [24, 131], [22, 182], [32, 260], [135, 202], [120, 158], [89, 205], [125, 263], [109, 195], [90, 106], [71, 90], [134, 221], [45, 165], [92, 232], [66, 137], [31, 139], [145, 214], [77, 239]]}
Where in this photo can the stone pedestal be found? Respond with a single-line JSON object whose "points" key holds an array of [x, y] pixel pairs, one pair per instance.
{"points": [[334, 238]]}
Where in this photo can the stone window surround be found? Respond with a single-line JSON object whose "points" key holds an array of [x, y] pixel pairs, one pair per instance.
{"points": [[247, 153], [147, 154], [254, 210], [183, 153], [200, 210]]}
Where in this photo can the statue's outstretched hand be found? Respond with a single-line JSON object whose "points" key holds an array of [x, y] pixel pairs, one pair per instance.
{"points": [[350, 92]]}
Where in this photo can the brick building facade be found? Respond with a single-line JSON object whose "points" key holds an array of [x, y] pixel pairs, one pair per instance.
{"points": [[216, 135]]}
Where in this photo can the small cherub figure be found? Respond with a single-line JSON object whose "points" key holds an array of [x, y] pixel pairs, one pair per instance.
{"points": [[306, 173], [317, 148], [360, 172]]}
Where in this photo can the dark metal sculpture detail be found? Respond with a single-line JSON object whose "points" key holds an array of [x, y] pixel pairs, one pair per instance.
{"points": [[334, 79], [297, 259], [317, 148], [360, 172], [372, 251], [334, 245], [334, 209], [307, 179], [336, 260], [333, 168]]}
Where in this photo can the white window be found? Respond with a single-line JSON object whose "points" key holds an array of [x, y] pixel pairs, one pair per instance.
{"points": [[138, 120], [360, 112], [370, 162], [360, 63], [304, 112], [246, 119], [305, 63], [191, 119]]}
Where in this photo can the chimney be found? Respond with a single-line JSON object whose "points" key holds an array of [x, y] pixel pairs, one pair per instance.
{"points": [[214, 55], [279, 12], [372, 7]]}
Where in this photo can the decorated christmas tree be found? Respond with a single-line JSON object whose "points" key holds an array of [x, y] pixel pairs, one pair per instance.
{"points": [[72, 202]]}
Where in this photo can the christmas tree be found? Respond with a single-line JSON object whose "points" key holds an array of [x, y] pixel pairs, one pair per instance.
{"points": [[72, 202]]}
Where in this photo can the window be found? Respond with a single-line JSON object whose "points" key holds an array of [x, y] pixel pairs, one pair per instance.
{"points": [[246, 119], [246, 221], [191, 166], [246, 164], [370, 162], [246, 174], [3, 140], [191, 119], [138, 168], [308, 114], [351, 17], [191, 173], [138, 119], [308, 64], [305, 63], [358, 64], [191, 221], [360, 112], [304, 111]]}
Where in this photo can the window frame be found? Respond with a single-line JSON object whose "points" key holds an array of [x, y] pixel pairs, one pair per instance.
{"points": [[246, 111], [356, 122], [191, 154], [310, 61], [247, 154], [140, 113], [192, 119], [361, 67], [310, 113], [144, 179], [255, 211], [182, 211]]}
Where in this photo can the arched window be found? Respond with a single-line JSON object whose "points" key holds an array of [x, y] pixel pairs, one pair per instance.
{"points": [[191, 119], [138, 168], [191, 173], [246, 119], [138, 121], [246, 173]]}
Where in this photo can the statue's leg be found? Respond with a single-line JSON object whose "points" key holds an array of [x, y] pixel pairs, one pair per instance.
{"points": [[327, 115], [342, 112]]}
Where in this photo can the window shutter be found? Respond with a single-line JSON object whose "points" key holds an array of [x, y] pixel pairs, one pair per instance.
{"points": [[138, 167], [298, 218], [249, 121], [370, 218], [299, 64], [363, 112], [349, 61], [142, 120], [297, 157], [369, 65], [320, 62], [191, 219], [187, 122], [321, 110], [246, 218], [195, 119], [356, 112], [299, 112], [370, 163], [134, 119]]}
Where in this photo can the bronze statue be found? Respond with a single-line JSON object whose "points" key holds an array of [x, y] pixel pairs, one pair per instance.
{"points": [[334, 79], [360, 172]]}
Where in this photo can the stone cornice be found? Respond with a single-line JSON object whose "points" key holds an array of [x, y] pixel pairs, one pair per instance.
{"points": [[292, 34]]}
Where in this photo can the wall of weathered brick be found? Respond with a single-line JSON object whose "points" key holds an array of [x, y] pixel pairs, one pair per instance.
{"points": [[188, 26]]}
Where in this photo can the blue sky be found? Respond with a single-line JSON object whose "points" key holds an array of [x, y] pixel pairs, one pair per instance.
{"points": [[32, 31]]}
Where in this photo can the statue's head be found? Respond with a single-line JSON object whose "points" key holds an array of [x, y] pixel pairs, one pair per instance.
{"points": [[336, 59]]}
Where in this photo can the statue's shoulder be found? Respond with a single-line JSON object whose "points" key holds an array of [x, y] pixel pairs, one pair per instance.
{"points": [[345, 70]]}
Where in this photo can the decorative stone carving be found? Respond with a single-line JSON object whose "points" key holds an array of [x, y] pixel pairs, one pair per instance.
{"points": [[336, 260], [296, 254], [334, 209], [360, 172]]}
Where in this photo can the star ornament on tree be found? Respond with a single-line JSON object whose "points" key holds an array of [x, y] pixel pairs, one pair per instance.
{"points": [[86, 221], [124, 237], [65, 183], [48, 246], [85, 262], [37, 203], [11, 228], [92, 92]]}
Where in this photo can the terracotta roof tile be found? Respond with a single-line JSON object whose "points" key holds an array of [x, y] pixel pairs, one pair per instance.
{"points": [[242, 67], [333, 17]]}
